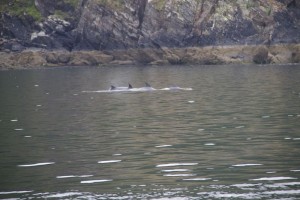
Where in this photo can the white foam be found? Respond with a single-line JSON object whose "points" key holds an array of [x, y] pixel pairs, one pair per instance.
{"points": [[109, 161], [240, 127], [96, 181], [67, 194], [14, 120], [295, 170], [176, 164], [265, 116], [142, 89], [246, 165], [282, 185], [191, 101], [219, 195], [282, 192], [162, 146], [37, 164], [74, 176], [19, 129], [272, 179], [117, 154], [27, 136]]}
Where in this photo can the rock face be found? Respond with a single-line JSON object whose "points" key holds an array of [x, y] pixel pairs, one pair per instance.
{"points": [[124, 24]]}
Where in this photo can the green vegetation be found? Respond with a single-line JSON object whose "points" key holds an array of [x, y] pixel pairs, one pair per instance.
{"points": [[159, 4], [61, 14], [114, 4], [20, 7], [269, 11], [73, 3]]}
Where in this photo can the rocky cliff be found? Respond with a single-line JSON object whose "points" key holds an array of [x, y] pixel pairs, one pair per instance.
{"points": [[106, 25], [122, 24]]}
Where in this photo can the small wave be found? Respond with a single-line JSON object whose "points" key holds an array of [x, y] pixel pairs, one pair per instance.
{"points": [[209, 144], [74, 176], [177, 175], [222, 195], [282, 185], [196, 179], [37, 164], [282, 192], [15, 192], [96, 181], [176, 164], [273, 178], [295, 170], [162, 146], [19, 129], [67, 194], [175, 170], [246, 165], [109, 161], [245, 185], [271, 172]]}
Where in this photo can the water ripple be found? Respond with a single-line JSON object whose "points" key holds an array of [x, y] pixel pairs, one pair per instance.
{"points": [[176, 164], [96, 181], [37, 164]]}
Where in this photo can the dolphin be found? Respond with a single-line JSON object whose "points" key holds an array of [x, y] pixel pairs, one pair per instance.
{"points": [[112, 88]]}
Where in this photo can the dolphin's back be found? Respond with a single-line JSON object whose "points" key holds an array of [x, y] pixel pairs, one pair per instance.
{"points": [[112, 87]]}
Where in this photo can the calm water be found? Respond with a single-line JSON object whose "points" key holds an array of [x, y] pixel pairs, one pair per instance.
{"points": [[236, 135]]}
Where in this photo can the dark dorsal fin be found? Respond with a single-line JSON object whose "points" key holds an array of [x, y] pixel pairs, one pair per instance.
{"points": [[112, 87], [147, 84], [130, 86]]}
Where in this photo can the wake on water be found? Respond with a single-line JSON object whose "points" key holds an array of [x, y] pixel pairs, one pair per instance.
{"points": [[142, 89]]}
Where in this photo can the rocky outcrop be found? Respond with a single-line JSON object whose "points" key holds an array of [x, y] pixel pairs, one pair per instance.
{"points": [[233, 54], [124, 24]]}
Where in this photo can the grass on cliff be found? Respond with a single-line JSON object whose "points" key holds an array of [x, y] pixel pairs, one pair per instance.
{"points": [[20, 7], [114, 4], [159, 4]]}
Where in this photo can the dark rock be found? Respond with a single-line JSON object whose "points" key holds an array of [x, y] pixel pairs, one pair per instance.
{"points": [[17, 47], [261, 56]]}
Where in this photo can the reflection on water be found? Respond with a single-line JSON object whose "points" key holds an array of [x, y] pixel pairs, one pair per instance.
{"points": [[235, 135]]}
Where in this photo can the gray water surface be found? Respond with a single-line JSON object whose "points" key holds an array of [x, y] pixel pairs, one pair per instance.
{"points": [[236, 135]]}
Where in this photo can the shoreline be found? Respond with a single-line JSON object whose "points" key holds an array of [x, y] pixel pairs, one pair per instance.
{"points": [[209, 55]]}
